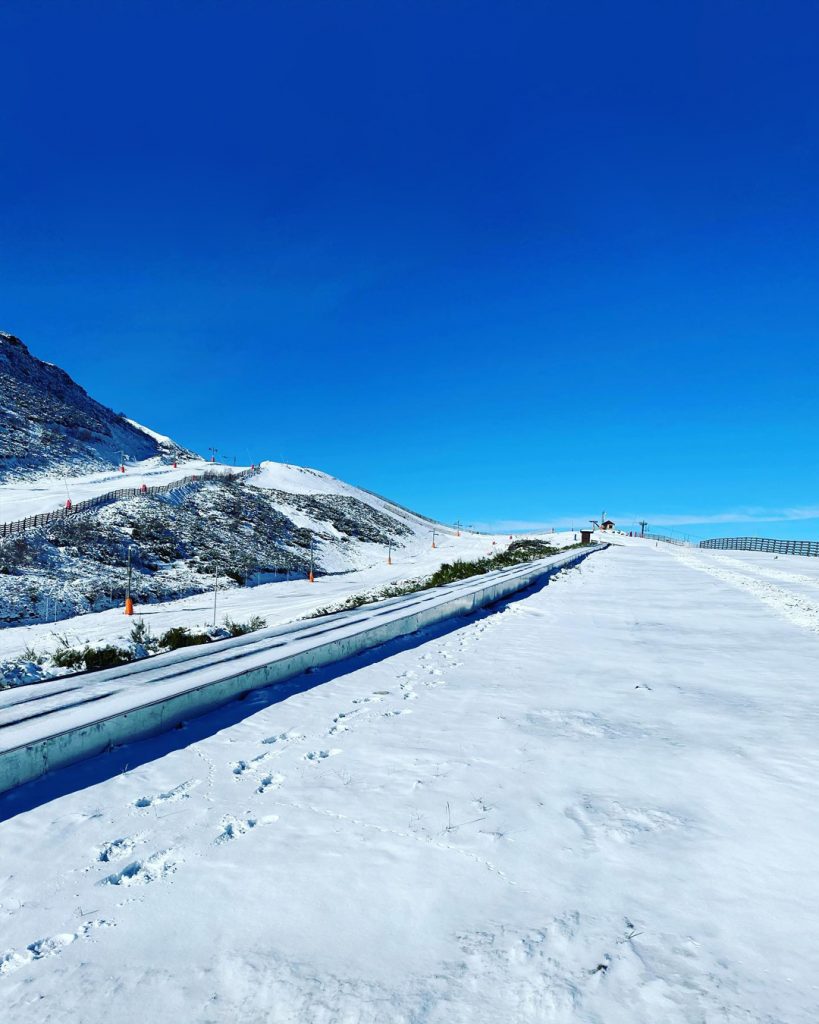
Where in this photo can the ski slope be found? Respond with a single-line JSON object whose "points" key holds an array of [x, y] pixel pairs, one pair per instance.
{"points": [[594, 805]]}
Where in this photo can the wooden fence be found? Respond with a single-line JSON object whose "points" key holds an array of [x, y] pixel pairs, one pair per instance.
{"points": [[779, 547], [32, 522]]}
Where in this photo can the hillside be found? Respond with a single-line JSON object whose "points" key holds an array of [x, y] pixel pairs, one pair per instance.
{"points": [[50, 425], [56, 442]]}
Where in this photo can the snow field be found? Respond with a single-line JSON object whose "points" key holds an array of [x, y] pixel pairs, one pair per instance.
{"points": [[593, 805]]}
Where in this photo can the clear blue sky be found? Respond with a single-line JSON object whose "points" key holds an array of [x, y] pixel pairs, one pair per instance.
{"points": [[508, 262]]}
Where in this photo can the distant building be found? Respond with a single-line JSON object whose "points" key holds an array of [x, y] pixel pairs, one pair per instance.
{"points": [[607, 524], [585, 536]]}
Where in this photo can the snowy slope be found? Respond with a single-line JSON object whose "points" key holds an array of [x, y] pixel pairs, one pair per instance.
{"points": [[595, 806], [19, 499]]}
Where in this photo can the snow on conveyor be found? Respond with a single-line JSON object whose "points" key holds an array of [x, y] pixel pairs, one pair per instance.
{"points": [[68, 719]]}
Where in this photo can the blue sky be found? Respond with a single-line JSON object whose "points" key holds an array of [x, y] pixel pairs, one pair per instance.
{"points": [[513, 263]]}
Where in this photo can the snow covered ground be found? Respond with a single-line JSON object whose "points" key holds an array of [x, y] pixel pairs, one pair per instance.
{"points": [[596, 805]]}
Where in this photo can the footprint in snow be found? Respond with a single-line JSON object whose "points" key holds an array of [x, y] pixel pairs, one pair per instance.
{"points": [[180, 792], [233, 828], [117, 848], [51, 946], [284, 739], [142, 872], [320, 755], [270, 782]]}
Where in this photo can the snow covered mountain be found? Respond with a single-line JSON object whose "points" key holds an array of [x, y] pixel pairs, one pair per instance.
{"points": [[50, 425], [243, 529]]}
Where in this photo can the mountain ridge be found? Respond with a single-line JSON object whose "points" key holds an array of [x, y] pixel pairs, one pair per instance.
{"points": [[49, 424]]}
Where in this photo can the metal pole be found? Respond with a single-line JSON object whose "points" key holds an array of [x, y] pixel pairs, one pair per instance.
{"points": [[215, 589], [129, 604]]}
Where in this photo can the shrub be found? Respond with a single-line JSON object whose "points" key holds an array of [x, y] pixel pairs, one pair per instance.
{"points": [[179, 636], [29, 654], [141, 634], [105, 657], [241, 628], [67, 656]]}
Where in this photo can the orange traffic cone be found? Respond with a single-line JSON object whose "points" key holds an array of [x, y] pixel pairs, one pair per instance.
{"points": [[310, 578], [129, 606]]}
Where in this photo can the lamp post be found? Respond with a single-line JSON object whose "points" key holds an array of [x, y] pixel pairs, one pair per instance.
{"points": [[129, 604]]}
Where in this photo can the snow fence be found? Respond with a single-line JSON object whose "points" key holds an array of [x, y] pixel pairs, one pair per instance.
{"points": [[60, 722]]}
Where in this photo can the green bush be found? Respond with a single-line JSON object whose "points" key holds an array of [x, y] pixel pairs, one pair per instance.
{"points": [[105, 657], [179, 636]]}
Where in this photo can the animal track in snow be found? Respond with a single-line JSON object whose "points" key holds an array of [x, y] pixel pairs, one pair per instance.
{"points": [[141, 872], [14, 960], [180, 792], [320, 755], [400, 711]]}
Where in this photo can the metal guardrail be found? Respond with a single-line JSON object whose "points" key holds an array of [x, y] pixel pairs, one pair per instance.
{"points": [[32, 522], [779, 547]]}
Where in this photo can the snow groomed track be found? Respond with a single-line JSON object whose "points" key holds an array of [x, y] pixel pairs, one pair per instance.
{"points": [[51, 725]]}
